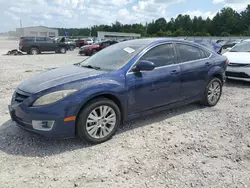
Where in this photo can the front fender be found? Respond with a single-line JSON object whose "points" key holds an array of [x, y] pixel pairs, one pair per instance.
{"points": [[95, 88]]}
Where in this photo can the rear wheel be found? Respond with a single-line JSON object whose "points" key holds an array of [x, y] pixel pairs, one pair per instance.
{"points": [[98, 121], [213, 92], [34, 51]]}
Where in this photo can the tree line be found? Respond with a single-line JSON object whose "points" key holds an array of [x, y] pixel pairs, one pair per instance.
{"points": [[226, 22]]}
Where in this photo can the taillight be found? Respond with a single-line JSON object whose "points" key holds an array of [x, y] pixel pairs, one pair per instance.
{"points": [[227, 62], [21, 43]]}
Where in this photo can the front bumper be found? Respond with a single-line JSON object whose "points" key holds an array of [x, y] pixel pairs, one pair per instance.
{"points": [[238, 73], [23, 116]]}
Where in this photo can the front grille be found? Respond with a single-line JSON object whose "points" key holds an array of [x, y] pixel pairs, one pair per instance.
{"points": [[237, 74], [20, 96], [238, 65], [20, 121]]}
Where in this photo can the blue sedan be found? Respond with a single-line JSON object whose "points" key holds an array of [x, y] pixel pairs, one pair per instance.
{"points": [[122, 82]]}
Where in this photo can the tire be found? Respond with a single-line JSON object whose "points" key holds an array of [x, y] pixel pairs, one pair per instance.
{"points": [[94, 51], [212, 96], [97, 127], [71, 48], [62, 50], [34, 51]]}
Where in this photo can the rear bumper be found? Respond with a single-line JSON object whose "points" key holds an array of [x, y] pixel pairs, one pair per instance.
{"points": [[24, 49]]}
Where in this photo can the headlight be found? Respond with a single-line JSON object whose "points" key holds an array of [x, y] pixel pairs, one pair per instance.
{"points": [[53, 97]]}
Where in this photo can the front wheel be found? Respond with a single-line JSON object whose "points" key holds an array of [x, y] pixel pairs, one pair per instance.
{"points": [[94, 51], [63, 50], [98, 121], [71, 47], [213, 92]]}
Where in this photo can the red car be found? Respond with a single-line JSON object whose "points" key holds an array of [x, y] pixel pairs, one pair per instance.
{"points": [[92, 49], [81, 42]]}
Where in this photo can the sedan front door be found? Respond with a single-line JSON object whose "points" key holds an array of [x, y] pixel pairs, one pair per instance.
{"points": [[156, 88]]}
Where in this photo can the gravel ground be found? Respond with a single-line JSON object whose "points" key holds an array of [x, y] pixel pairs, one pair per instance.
{"points": [[190, 146]]}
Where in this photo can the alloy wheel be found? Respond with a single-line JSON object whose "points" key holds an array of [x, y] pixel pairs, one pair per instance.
{"points": [[101, 122], [34, 52], [63, 50], [214, 92]]}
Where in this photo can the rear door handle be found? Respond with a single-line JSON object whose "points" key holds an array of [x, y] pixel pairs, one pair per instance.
{"points": [[174, 72], [208, 64]]}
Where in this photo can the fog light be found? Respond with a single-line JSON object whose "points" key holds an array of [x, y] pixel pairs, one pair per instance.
{"points": [[42, 125]]}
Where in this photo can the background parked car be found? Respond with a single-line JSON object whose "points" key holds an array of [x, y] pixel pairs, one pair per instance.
{"points": [[239, 58], [81, 42], [94, 48], [231, 43], [89, 41], [71, 44], [36, 45]]}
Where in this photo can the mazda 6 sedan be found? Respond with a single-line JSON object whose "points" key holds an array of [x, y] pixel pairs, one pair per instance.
{"points": [[122, 82]]}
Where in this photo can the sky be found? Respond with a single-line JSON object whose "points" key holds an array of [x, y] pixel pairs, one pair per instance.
{"points": [[86, 13]]}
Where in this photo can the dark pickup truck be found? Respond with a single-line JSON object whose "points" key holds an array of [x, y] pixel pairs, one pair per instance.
{"points": [[36, 45]]}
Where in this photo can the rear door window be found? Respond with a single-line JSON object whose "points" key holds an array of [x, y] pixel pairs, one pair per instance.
{"points": [[40, 39], [188, 53]]}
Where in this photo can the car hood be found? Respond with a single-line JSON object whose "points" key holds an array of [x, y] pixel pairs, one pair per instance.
{"points": [[238, 57], [91, 46], [57, 77], [85, 46]]}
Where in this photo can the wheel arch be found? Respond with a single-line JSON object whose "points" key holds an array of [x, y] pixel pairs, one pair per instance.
{"points": [[109, 96], [34, 46], [217, 75], [217, 72]]}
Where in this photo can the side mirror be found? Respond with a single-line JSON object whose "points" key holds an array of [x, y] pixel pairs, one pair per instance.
{"points": [[144, 66]]}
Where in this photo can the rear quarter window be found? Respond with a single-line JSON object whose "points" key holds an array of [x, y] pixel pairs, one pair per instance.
{"points": [[205, 53]]}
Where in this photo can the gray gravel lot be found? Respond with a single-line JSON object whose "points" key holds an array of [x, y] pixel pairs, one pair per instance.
{"points": [[190, 146]]}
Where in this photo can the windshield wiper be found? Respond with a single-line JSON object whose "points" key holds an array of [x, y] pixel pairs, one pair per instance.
{"points": [[91, 67]]}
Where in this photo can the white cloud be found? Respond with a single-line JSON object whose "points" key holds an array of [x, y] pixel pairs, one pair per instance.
{"points": [[237, 5], [11, 15], [198, 13], [85, 13]]}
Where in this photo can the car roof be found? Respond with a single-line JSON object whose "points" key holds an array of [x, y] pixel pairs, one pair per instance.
{"points": [[148, 41]]}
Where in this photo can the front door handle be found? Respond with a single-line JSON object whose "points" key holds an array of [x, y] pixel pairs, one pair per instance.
{"points": [[208, 64]]}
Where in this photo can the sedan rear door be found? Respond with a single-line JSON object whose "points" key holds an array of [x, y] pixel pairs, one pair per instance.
{"points": [[194, 64]]}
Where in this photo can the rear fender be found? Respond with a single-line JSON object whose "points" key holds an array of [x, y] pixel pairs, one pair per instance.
{"points": [[217, 70]]}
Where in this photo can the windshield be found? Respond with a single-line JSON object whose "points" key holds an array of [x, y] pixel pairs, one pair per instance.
{"points": [[112, 57], [97, 43], [241, 47]]}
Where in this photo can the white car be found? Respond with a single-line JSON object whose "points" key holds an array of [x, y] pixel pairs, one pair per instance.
{"points": [[89, 41], [239, 58]]}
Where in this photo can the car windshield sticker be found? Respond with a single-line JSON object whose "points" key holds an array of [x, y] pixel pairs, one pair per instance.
{"points": [[129, 50]]}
